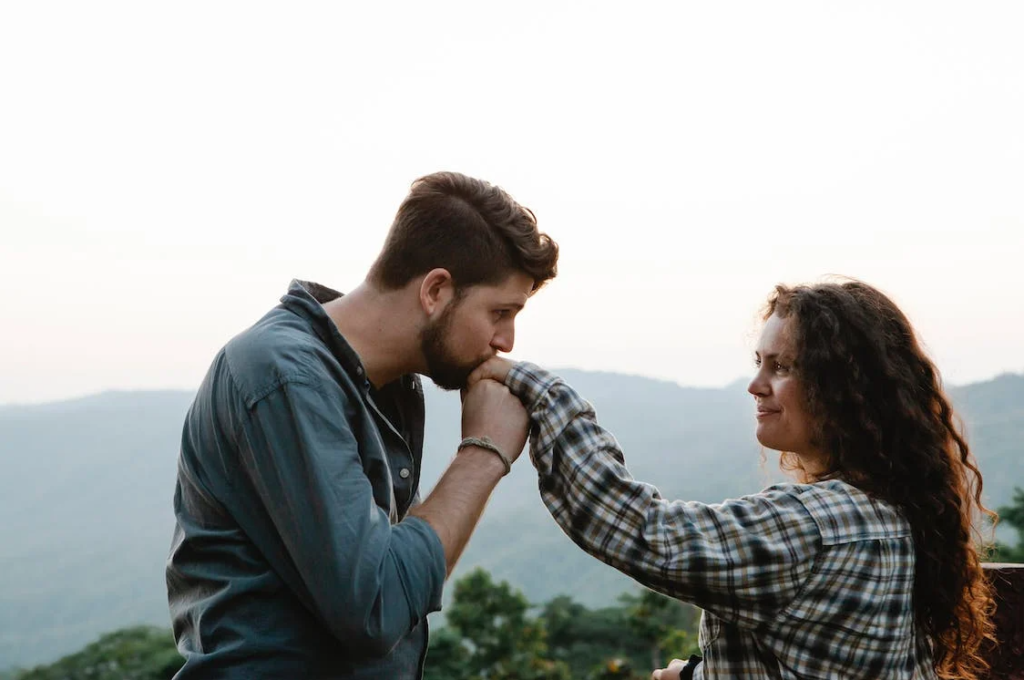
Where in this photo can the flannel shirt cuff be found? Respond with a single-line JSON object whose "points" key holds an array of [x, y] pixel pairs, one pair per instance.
{"points": [[530, 382]]}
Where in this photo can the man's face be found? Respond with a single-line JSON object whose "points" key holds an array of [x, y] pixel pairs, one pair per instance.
{"points": [[473, 328]]}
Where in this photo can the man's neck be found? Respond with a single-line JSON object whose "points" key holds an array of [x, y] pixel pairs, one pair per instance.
{"points": [[377, 325]]}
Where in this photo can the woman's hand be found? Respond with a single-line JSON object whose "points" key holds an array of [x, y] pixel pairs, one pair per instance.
{"points": [[671, 673], [495, 368]]}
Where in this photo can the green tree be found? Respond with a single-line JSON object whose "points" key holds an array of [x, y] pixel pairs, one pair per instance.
{"points": [[447, 656], [618, 642], [594, 643], [496, 638], [138, 653], [1013, 515], [614, 669], [661, 623]]}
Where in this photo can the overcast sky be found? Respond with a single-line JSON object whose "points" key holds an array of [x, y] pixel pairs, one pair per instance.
{"points": [[166, 169]]}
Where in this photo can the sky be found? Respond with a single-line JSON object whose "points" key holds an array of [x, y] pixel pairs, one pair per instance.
{"points": [[167, 168]]}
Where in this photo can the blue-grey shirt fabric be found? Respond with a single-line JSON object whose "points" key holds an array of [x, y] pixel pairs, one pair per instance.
{"points": [[293, 556]]}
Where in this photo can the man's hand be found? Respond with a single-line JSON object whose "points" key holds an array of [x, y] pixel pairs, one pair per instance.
{"points": [[495, 368], [454, 505], [671, 673], [490, 410]]}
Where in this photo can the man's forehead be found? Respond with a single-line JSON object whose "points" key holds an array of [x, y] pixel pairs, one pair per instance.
{"points": [[515, 289]]}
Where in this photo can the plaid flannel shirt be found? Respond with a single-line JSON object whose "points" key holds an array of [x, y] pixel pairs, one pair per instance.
{"points": [[797, 581]]}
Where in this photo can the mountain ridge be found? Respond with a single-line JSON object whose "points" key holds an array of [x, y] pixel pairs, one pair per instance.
{"points": [[88, 484]]}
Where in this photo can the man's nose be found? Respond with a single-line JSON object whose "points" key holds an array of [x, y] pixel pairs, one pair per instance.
{"points": [[504, 339]]}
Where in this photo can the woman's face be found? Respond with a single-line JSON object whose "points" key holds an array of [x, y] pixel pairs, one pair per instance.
{"points": [[783, 421]]}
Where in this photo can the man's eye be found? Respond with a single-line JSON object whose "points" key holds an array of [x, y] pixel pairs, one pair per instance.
{"points": [[500, 314]]}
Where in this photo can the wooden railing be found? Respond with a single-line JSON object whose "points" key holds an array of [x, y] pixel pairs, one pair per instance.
{"points": [[1008, 581]]}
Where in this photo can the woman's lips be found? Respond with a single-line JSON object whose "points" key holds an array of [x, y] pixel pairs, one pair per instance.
{"points": [[765, 413]]}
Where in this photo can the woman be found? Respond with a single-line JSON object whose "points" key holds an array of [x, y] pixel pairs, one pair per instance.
{"points": [[863, 568]]}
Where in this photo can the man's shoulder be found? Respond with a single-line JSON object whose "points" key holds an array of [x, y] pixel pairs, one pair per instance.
{"points": [[281, 348]]}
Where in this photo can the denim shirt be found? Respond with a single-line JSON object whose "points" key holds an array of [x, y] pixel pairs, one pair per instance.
{"points": [[292, 556]]}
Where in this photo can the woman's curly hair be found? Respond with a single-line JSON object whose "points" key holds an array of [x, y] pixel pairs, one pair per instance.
{"points": [[889, 430]]}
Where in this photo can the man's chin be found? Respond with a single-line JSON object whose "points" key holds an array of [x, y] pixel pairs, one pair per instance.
{"points": [[451, 380], [446, 385]]}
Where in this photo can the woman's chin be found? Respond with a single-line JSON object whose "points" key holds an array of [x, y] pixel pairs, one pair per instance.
{"points": [[765, 439]]}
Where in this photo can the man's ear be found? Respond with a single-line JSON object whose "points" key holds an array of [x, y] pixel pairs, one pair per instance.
{"points": [[436, 290]]}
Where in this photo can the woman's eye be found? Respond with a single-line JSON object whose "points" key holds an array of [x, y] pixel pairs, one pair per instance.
{"points": [[781, 368]]}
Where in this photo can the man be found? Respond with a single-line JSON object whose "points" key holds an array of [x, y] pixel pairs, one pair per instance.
{"points": [[301, 548]]}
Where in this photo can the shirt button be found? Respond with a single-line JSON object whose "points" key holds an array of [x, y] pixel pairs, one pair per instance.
{"points": [[404, 473]]}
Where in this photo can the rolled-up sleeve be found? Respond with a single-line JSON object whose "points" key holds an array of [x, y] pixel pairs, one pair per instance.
{"points": [[743, 560], [369, 581]]}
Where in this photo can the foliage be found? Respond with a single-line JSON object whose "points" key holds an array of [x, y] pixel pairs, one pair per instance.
{"points": [[139, 653], [620, 642], [447, 657], [655, 619], [614, 668], [594, 642], [490, 635], [1012, 515]]}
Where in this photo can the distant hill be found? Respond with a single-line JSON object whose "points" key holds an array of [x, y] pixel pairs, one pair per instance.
{"points": [[86, 487]]}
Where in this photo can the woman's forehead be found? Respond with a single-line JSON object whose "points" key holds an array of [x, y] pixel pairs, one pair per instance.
{"points": [[776, 336]]}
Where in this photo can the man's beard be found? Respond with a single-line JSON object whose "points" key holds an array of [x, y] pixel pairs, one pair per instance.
{"points": [[443, 368]]}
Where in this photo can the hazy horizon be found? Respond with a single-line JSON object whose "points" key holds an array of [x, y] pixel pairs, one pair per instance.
{"points": [[738, 383], [165, 171]]}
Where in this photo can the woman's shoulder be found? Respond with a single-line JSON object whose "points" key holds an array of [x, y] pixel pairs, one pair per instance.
{"points": [[845, 513]]}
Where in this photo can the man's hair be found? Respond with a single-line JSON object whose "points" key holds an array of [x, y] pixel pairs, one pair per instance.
{"points": [[472, 228]]}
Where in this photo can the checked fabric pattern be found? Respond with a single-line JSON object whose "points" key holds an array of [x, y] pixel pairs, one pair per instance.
{"points": [[799, 581]]}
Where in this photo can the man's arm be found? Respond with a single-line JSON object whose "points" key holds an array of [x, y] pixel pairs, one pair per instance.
{"points": [[368, 581], [457, 501]]}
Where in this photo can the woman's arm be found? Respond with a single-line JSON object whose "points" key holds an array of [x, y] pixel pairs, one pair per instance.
{"points": [[743, 560]]}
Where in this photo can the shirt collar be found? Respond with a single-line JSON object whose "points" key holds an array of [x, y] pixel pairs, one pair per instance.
{"points": [[306, 299]]}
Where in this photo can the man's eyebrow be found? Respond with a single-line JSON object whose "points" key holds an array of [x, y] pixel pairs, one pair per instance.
{"points": [[518, 306]]}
